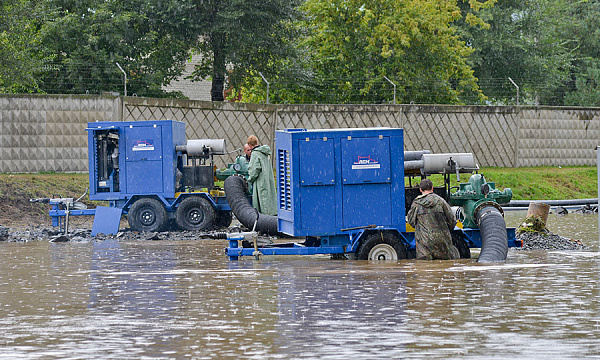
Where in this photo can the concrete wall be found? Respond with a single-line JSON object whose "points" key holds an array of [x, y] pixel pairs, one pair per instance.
{"points": [[47, 133]]}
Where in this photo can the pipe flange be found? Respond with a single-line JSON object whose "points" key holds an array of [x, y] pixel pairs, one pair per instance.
{"points": [[480, 206]]}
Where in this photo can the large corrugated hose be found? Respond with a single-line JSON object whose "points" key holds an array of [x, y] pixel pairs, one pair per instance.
{"points": [[235, 191], [494, 240]]}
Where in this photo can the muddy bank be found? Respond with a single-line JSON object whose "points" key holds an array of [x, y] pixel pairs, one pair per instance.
{"points": [[41, 233]]}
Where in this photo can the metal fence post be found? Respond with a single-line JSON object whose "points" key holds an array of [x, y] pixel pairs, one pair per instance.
{"points": [[390, 81], [598, 167], [265, 80], [124, 82], [517, 86]]}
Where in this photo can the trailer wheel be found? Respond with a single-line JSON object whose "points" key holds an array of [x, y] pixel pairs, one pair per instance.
{"points": [[458, 240], [195, 213], [381, 246], [223, 219], [147, 214]]}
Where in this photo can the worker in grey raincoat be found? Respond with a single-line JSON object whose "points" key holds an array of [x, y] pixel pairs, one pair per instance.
{"points": [[260, 171], [433, 221]]}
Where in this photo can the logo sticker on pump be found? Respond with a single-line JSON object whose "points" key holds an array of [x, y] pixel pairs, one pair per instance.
{"points": [[143, 145], [365, 162]]}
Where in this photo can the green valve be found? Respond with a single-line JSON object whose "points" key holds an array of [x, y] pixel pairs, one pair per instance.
{"points": [[476, 194]]}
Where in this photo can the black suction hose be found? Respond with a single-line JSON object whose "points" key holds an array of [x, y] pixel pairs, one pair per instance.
{"points": [[235, 191], [494, 240]]}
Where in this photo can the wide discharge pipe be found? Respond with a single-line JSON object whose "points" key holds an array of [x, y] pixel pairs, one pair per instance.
{"points": [[494, 240], [235, 192]]}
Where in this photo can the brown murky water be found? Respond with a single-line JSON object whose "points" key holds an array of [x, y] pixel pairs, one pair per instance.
{"points": [[159, 299]]}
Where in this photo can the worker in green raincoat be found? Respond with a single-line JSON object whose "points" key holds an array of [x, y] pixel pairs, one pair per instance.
{"points": [[260, 171], [433, 221]]}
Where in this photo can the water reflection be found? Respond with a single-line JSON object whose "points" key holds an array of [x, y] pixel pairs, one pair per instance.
{"points": [[160, 299], [335, 305]]}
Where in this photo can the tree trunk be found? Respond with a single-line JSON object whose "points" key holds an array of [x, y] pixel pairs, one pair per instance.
{"points": [[218, 78]]}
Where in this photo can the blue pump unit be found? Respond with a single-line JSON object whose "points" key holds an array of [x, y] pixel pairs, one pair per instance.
{"points": [[133, 158], [149, 171], [343, 191], [331, 180]]}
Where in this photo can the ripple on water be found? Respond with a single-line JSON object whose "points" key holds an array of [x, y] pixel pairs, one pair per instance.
{"points": [[184, 299]]}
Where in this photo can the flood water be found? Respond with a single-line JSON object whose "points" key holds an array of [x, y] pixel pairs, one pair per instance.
{"points": [[166, 299]]}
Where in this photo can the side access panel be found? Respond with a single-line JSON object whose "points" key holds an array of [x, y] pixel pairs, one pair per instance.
{"points": [[317, 179], [366, 179], [144, 159]]}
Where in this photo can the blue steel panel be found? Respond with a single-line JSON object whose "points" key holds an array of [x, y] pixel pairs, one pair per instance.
{"points": [[316, 209], [92, 165], [365, 160], [397, 185], [366, 205], [316, 162], [285, 190], [143, 142], [144, 177], [317, 178], [106, 220]]}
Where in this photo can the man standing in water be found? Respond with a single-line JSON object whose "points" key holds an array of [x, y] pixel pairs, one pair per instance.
{"points": [[260, 172], [433, 220]]}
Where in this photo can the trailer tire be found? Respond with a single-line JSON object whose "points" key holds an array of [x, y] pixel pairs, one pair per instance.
{"points": [[147, 214], [195, 213], [223, 219], [458, 240], [381, 246]]}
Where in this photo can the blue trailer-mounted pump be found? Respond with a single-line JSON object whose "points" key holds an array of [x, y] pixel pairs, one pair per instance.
{"points": [[344, 191], [149, 171]]}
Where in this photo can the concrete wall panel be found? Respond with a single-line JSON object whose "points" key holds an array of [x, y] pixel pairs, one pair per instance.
{"points": [[47, 133]]}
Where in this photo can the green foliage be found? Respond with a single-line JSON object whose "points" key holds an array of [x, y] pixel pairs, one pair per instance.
{"points": [[354, 52], [310, 51], [587, 83], [148, 38], [546, 183], [19, 51], [543, 45]]}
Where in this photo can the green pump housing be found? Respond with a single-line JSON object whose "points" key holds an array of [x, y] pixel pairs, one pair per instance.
{"points": [[475, 195], [239, 167]]}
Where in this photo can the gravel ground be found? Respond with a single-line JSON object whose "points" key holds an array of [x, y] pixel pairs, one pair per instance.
{"points": [[548, 241], [40, 233]]}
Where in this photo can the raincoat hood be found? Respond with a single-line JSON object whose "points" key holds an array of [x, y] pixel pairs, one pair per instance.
{"points": [[427, 200], [263, 149]]}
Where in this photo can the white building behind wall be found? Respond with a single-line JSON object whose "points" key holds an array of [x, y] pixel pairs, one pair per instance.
{"points": [[193, 90]]}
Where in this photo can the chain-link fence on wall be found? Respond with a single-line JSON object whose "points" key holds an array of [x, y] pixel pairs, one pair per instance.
{"points": [[47, 133], [84, 78]]}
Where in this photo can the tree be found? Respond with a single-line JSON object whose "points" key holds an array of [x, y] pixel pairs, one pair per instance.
{"points": [[241, 37], [528, 41], [353, 46], [19, 50], [587, 86], [583, 86], [148, 38]]}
